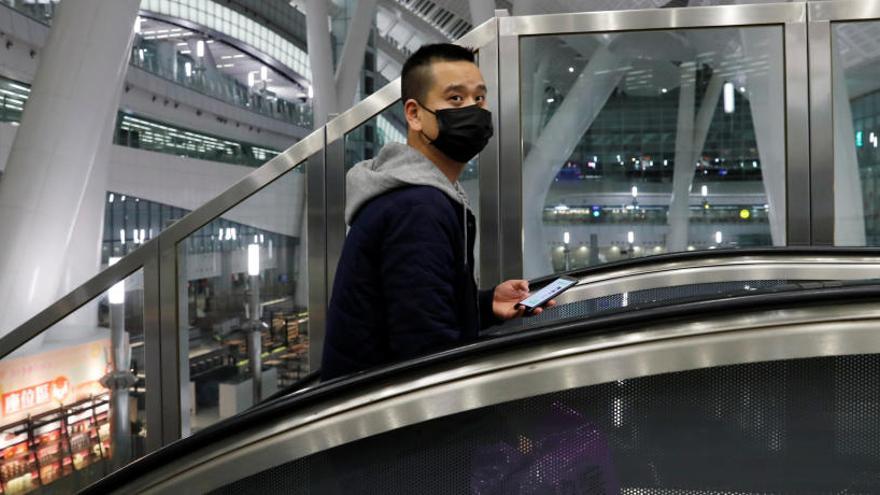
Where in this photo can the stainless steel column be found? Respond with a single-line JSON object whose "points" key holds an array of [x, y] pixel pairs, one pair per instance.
{"points": [[255, 339]]}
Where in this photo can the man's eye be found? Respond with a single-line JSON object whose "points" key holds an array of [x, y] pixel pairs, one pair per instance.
{"points": [[455, 98], [481, 98]]}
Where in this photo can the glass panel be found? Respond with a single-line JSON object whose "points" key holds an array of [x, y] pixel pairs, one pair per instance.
{"points": [[365, 142], [650, 142], [855, 56], [62, 394], [254, 252], [794, 426]]}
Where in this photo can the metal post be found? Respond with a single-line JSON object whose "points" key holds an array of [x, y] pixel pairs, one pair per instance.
{"points": [[121, 443], [594, 249], [120, 378], [255, 339]]}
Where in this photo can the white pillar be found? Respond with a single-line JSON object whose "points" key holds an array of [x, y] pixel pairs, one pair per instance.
{"points": [[321, 61], [52, 161], [481, 11], [849, 211], [558, 140], [689, 142], [352, 60], [766, 93]]}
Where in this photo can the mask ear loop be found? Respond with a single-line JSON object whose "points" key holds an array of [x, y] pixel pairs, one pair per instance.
{"points": [[428, 138]]}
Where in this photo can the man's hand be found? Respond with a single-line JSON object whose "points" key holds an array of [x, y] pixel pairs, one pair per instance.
{"points": [[507, 295]]}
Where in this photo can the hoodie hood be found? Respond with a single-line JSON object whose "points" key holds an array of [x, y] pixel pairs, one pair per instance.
{"points": [[397, 165]]}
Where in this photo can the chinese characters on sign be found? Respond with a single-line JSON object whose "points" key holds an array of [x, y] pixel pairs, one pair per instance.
{"points": [[37, 395]]}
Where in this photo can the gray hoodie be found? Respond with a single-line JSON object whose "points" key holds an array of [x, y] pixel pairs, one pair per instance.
{"points": [[398, 165]]}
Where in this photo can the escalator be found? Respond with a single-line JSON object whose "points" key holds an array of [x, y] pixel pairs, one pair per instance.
{"points": [[746, 385]]}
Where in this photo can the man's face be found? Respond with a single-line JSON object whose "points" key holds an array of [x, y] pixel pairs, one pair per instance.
{"points": [[455, 84]]}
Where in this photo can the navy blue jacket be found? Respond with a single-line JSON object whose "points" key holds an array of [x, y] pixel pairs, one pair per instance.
{"points": [[404, 286]]}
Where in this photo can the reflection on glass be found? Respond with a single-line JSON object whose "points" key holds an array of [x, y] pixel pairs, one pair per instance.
{"points": [[73, 398], [651, 142], [243, 282], [856, 100], [364, 142]]}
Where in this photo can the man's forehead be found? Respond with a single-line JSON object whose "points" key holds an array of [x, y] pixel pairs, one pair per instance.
{"points": [[456, 75]]}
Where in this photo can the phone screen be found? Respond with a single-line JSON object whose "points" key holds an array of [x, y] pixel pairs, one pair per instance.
{"points": [[549, 291]]}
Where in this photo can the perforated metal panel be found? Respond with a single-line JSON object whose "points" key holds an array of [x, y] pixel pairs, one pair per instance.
{"points": [[786, 427]]}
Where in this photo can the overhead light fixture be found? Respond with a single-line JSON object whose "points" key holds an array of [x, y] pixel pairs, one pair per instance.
{"points": [[729, 102], [116, 294], [630, 237], [188, 69], [264, 73], [200, 49], [137, 25], [251, 80], [253, 257]]}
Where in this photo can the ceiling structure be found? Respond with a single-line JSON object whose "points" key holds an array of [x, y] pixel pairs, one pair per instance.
{"points": [[404, 25]]}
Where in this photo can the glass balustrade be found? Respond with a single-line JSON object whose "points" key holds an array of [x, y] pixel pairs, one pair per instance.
{"points": [[74, 397], [243, 298], [135, 131], [162, 58], [648, 142], [856, 100]]}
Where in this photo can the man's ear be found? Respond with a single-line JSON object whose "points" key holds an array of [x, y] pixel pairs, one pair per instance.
{"points": [[411, 111]]}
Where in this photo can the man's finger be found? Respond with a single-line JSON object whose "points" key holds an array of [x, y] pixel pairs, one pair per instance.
{"points": [[521, 285]]}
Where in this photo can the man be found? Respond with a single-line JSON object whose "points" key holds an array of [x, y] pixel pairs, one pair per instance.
{"points": [[405, 286]]}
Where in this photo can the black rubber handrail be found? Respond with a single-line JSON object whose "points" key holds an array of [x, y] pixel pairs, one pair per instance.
{"points": [[797, 295], [313, 377], [782, 251]]}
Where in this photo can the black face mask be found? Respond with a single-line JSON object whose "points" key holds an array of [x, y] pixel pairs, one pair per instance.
{"points": [[463, 132]]}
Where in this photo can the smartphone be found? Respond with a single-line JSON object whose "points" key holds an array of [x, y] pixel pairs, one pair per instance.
{"points": [[547, 293]]}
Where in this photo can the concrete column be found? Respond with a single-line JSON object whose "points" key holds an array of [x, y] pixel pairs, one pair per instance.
{"points": [[689, 142], [53, 158], [849, 211], [352, 60], [766, 94], [481, 11], [321, 61], [556, 143], [83, 258]]}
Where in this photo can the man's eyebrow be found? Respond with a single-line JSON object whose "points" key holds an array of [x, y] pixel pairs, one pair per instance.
{"points": [[462, 87]]}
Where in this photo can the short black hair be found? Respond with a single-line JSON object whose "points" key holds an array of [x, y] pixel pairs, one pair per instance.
{"points": [[416, 74]]}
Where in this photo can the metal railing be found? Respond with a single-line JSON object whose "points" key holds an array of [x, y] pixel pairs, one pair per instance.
{"points": [[500, 176]]}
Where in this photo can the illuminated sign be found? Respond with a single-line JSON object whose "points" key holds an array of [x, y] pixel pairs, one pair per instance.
{"points": [[36, 395]]}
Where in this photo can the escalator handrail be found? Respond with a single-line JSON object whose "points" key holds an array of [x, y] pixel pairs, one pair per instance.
{"points": [[811, 295], [723, 255]]}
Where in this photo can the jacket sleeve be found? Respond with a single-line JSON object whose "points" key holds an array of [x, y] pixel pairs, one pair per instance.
{"points": [[487, 315], [418, 279]]}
